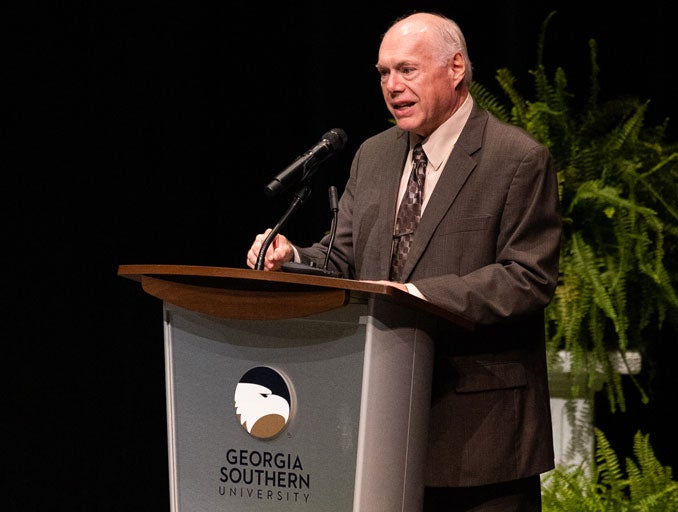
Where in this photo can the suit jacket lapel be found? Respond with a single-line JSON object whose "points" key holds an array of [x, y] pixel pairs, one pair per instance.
{"points": [[392, 164], [457, 169]]}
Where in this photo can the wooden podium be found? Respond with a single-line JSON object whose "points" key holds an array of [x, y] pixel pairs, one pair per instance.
{"points": [[293, 392]]}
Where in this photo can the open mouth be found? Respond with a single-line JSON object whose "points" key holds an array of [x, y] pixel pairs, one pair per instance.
{"points": [[400, 107]]}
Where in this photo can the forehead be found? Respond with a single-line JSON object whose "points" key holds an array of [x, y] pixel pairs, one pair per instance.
{"points": [[406, 43]]}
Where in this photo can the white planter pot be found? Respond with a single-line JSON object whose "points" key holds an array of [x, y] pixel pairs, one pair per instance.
{"points": [[573, 415]]}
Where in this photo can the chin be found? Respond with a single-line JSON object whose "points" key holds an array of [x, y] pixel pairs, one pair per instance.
{"points": [[406, 124]]}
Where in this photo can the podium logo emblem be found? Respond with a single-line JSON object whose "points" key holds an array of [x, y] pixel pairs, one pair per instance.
{"points": [[262, 402]]}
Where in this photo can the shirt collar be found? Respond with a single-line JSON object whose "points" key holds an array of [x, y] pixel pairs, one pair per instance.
{"points": [[440, 143]]}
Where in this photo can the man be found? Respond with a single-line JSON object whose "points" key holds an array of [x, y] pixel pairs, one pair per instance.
{"points": [[486, 247]]}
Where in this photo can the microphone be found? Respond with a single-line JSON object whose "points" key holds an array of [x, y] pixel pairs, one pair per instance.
{"points": [[301, 268], [304, 166], [334, 208]]}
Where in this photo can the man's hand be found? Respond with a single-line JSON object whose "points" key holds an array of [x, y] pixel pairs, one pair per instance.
{"points": [[280, 251]]}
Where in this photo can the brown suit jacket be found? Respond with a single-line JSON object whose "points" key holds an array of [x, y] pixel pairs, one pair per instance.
{"points": [[486, 248]]}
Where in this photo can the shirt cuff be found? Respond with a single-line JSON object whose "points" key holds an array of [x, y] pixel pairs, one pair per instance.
{"points": [[413, 290]]}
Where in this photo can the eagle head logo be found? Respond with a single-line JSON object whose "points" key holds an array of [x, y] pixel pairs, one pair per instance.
{"points": [[262, 402]]}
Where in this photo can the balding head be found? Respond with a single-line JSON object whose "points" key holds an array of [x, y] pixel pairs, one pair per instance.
{"points": [[443, 36], [424, 71]]}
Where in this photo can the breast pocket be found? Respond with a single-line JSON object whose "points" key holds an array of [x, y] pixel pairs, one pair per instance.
{"points": [[467, 243], [459, 224]]}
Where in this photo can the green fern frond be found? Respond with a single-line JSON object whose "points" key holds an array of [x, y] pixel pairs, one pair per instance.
{"points": [[586, 264], [607, 460], [489, 101], [604, 486], [643, 178], [650, 483]]}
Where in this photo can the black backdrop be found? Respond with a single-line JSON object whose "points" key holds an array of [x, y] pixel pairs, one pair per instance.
{"points": [[144, 132]]}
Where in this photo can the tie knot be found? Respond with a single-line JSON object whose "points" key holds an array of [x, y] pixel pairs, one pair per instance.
{"points": [[418, 155], [419, 163]]}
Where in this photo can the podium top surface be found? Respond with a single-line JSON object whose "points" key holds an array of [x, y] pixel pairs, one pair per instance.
{"points": [[257, 294]]}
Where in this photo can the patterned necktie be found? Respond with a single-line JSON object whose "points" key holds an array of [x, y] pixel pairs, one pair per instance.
{"points": [[409, 213]]}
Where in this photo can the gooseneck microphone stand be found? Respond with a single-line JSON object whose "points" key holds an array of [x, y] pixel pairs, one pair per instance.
{"points": [[299, 197], [301, 268]]}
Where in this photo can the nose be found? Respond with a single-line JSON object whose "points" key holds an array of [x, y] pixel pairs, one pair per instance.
{"points": [[393, 82]]}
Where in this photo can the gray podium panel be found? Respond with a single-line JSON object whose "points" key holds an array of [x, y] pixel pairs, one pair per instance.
{"points": [[353, 389]]}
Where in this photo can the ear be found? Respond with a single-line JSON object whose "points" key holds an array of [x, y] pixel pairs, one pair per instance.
{"points": [[457, 69]]}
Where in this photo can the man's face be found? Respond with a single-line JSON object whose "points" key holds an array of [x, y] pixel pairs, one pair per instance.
{"points": [[418, 87]]}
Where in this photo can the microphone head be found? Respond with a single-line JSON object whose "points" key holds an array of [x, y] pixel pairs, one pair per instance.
{"points": [[336, 138], [303, 167]]}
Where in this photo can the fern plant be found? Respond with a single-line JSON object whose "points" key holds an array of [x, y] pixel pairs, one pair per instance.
{"points": [[618, 184], [603, 486]]}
